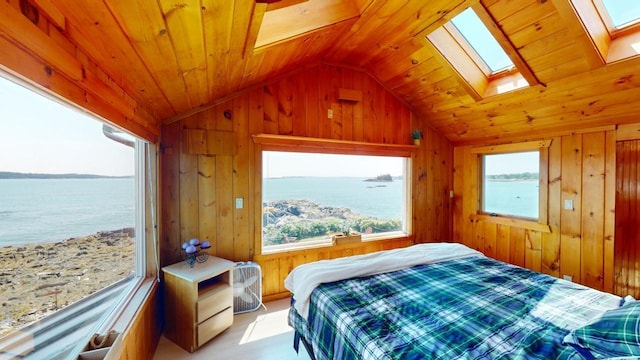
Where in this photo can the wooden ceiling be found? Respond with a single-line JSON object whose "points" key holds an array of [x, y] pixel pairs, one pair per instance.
{"points": [[174, 56]]}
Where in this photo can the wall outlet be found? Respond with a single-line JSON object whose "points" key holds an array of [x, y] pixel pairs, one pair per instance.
{"points": [[329, 114], [568, 277], [568, 204], [239, 203]]}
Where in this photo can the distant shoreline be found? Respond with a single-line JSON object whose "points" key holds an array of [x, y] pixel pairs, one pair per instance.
{"points": [[512, 180], [16, 175]]}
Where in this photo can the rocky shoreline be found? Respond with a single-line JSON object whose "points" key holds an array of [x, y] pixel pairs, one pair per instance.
{"points": [[38, 279], [303, 219]]}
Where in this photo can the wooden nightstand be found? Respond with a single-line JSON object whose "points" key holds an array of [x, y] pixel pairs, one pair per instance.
{"points": [[198, 301]]}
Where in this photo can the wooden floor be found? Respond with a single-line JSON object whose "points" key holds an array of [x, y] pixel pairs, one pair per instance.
{"points": [[258, 335]]}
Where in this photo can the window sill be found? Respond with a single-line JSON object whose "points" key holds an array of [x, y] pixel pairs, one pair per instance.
{"points": [[624, 47], [519, 223], [284, 249], [124, 319]]}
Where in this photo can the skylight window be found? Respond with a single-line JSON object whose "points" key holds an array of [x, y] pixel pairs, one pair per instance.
{"points": [[483, 43], [622, 13]]}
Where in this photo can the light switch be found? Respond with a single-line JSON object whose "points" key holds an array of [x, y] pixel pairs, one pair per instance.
{"points": [[568, 204], [239, 203]]}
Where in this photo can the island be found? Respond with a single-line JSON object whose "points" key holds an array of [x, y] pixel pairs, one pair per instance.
{"points": [[525, 176], [381, 178]]}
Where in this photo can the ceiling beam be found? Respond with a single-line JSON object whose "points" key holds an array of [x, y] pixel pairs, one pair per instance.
{"points": [[592, 35], [506, 44]]}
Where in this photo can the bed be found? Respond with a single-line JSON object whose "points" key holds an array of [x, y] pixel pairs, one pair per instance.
{"points": [[446, 301]]}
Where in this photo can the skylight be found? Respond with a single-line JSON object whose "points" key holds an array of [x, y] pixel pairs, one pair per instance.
{"points": [[622, 13], [485, 45]]}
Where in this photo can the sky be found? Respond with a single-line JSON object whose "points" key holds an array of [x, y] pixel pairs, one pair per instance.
{"points": [[479, 37], [40, 135], [622, 11], [515, 163]]}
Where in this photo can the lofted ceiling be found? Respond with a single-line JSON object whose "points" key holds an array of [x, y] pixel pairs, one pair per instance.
{"points": [[174, 56]]}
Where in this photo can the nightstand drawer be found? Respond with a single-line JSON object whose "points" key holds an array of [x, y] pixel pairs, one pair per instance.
{"points": [[215, 299], [215, 325]]}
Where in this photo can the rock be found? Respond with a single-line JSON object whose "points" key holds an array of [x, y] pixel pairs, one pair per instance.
{"points": [[58, 262]]}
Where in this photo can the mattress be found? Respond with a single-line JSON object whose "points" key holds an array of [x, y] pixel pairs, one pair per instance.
{"points": [[467, 308]]}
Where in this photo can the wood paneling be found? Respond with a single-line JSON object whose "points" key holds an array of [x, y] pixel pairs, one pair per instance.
{"points": [[141, 338], [40, 53], [276, 267], [200, 186], [627, 231], [578, 245], [136, 63]]}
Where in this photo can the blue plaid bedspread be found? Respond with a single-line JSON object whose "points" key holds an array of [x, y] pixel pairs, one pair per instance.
{"points": [[474, 308]]}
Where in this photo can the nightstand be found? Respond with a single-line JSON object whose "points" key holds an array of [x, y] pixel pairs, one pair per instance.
{"points": [[198, 301]]}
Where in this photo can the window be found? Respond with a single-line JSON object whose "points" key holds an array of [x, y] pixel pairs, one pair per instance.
{"points": [[482, 57], [612, 28], [481, 43], [308, 197], [71, 222], [620, 14], [510, 184], [513, 184], [288, 19]]}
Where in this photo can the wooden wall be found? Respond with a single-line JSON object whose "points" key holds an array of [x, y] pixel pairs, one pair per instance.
{"points": [[34, 46], [142, 336], [582, 168], [209, 159], [627, 252]]}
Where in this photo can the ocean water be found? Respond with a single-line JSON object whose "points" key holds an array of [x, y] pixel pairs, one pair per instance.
{"points": [[45, 210], [378, 199], [512, 197], [384, 200]]}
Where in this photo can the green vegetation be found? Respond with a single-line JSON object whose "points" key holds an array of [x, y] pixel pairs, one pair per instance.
{"points": [[514, 177], [304, 230]]}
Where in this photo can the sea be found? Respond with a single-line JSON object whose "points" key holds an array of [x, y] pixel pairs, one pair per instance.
{"points": [[383, 200], [47, 210]]}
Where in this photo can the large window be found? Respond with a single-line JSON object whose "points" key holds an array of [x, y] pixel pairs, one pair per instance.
{"points": [[309, 197], [71, 207]]}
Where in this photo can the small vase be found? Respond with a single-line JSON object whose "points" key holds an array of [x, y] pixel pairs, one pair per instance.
{"points": [[416, 141]]}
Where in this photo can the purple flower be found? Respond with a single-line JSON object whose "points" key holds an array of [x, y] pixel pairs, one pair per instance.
{"points": [[190, 249]]}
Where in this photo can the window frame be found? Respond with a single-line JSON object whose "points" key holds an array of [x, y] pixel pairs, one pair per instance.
{"points": [[471, 50], [614, 32], [283, 143], [541, 224], [603, 43], [472, 72], [141, 284]]}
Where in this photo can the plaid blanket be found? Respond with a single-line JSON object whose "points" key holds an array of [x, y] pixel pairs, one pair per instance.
{"points": [[474, 308]]}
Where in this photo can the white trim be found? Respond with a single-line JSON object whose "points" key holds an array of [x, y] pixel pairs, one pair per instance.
{"points": [[140, 234]]}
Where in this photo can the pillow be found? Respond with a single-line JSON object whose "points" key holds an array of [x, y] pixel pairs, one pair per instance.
{"points": [[616, 333]]}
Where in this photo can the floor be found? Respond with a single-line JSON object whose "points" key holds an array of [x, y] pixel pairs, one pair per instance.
{"points": [[259, 335]]}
